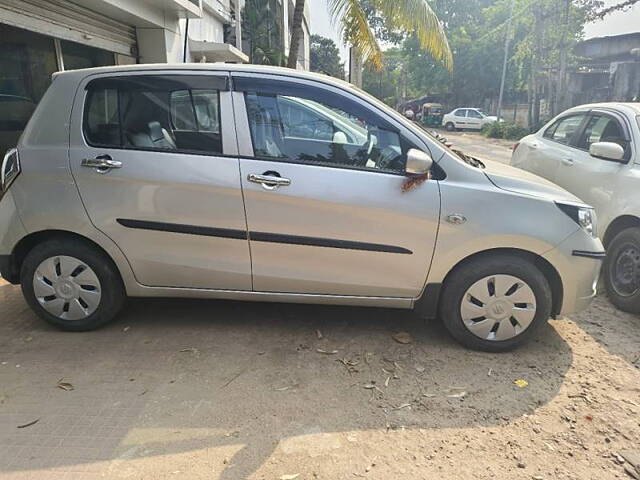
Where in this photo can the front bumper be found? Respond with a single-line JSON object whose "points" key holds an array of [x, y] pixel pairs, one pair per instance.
{"points": [[578, 260]]}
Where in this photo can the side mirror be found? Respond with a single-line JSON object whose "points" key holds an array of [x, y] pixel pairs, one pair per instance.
{"points": [[418, 162], [607, 151]]}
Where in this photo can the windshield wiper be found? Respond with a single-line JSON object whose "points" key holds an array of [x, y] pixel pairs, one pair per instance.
{"points": [[474, 162]]}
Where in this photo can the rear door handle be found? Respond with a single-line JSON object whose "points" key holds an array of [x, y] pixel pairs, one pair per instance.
{"points": [[269, 182], [102, 163], [567, 161]]}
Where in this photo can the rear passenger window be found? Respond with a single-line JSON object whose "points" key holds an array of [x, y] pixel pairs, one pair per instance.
{"points": [[157, 113], [563, 130]]}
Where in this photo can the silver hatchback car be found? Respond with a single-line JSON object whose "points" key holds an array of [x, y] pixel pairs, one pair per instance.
{"points": [[267, 184]]}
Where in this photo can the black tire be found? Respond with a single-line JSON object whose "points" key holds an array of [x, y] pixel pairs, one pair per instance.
{"points": [[464, 276], [619, 250], [112, 290], [450, 127]]}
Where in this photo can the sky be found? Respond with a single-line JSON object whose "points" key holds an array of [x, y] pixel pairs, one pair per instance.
{"points": [[621, 22], [616, 23]]}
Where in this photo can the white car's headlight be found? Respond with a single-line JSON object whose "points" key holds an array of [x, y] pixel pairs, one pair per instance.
{"points": [[582, 215]]}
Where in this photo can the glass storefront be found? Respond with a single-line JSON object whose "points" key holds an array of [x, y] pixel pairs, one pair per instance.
{"points": [[27, 60]]}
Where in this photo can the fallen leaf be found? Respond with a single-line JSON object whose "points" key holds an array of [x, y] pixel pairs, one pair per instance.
{"points": [[521, 383], [489, 372], [28, 339], [420, 369], [332, 352], [386, 382], [369, 386], [402, 337], [319, 334], [289, 476], [29, 424], [67, 387], [404, 405], [126, 329]]}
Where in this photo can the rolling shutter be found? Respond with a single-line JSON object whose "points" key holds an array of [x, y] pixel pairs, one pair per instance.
{"points": [[68, 21]]}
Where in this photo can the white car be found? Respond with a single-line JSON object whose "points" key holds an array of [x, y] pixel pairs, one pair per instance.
{"points": [[471, 118], [593, 151]]}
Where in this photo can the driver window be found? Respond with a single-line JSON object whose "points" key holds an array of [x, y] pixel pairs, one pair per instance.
{"points": [[474, 114], [303, 130], [602, 128]]}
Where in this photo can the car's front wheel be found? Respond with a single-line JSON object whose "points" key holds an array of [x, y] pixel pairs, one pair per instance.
{"points": [[71, 284], [495, 303], [622, 270], [449, 126]]}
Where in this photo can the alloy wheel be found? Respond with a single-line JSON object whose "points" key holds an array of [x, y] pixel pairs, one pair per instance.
{"points": [[67, 288], [498, 307]]}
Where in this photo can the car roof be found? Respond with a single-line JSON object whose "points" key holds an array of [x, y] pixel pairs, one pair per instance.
{"points": [[628, 107], [210, 67]]}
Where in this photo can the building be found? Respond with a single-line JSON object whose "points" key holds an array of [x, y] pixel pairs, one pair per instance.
{"points": [[39, 37], [266, 32], [609, 70]]}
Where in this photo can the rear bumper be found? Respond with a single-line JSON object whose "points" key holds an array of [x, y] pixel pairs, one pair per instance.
{"points": [[11, 231], [7, 269], [578, 261]]}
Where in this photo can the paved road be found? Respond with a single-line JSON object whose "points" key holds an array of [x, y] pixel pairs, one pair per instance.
{"points": [[476, 145]]}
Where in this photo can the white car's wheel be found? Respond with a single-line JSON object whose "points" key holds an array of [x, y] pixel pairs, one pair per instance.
{"points": [[449, 126]]}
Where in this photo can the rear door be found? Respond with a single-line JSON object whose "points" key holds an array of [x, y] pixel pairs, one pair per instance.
{"points": [[460, 118], [555, 147], [324, 195], [155, 160]]}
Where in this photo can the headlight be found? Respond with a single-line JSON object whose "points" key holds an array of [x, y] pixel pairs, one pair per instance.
{"points": [[582, 215]]}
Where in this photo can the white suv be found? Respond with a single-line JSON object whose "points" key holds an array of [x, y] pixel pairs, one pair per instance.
{"points": [[266, 184], [469, 118], [593, 151]]}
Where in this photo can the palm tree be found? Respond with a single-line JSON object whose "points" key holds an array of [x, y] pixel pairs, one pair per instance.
{"points": [[296, 33], [414, 16]]}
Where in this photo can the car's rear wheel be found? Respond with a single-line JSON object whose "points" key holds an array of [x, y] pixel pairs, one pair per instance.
{"points": [[495, 303], [622, 270], [71, 285], [449, 127]]}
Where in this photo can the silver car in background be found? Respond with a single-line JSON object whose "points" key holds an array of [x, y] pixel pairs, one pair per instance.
{"points": [[266, 184]]}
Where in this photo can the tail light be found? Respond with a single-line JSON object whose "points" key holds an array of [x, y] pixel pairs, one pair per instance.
{"points": [[9, 170], [515, 146]]}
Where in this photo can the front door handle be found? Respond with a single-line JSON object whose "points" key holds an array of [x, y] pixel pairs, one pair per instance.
{"points": [[567, 161], [102, 163], [268, 180]]}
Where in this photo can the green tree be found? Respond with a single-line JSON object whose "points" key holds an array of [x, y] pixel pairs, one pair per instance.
{"points": [[262, 38], [399, 15], [325, 57]]}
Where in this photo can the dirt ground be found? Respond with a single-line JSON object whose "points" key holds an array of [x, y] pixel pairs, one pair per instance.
{"points": [[229, 390]]}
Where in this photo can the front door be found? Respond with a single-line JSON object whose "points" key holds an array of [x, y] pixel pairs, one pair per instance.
{"points": [[474, 119], [155, 161], [323, 175], [595, 180]]}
